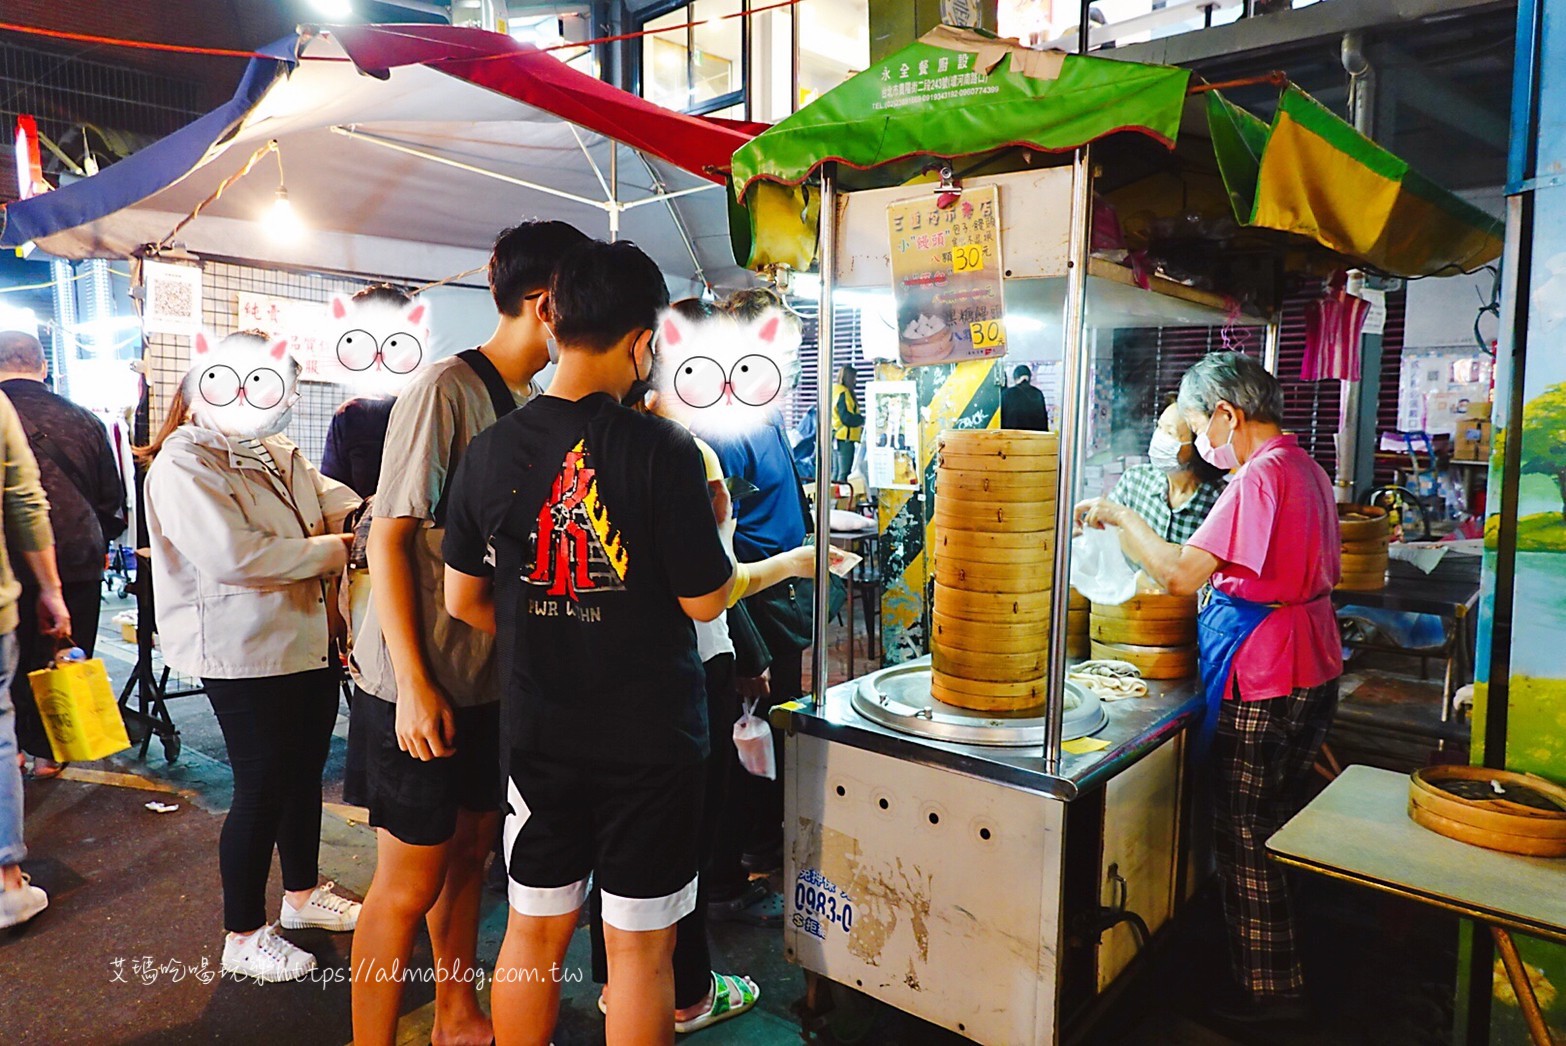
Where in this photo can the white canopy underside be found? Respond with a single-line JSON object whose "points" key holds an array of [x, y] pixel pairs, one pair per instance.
{"points": [[386, 199]]}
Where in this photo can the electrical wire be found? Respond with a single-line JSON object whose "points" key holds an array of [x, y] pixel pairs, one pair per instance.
{"points": [[1491, 308], [254, 159]]}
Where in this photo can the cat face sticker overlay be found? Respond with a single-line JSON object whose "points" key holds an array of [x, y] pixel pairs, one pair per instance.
{"points": [[242, 385], [721, 376], [377, 347]]}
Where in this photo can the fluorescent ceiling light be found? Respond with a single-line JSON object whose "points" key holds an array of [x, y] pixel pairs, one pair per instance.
{"points": [[338, 9]]}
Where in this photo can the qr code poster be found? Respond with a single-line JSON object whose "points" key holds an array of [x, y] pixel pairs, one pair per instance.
{"points": [[303, 323], [173, 298]]}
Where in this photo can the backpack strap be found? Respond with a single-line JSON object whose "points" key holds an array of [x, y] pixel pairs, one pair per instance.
{"points": [[500, 396]]}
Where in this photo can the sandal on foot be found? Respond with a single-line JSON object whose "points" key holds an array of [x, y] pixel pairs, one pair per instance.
{"points": [[47, 772], [731, 996]]}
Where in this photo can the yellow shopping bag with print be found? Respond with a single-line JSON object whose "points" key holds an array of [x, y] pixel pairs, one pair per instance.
{"points": [[78, 710]]}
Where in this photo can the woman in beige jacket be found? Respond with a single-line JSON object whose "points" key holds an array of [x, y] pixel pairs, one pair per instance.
{"points": [[246, 540]]}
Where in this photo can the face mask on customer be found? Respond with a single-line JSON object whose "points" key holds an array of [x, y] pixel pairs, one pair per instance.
{"points": [[1164, 451], [1222, 457], [551, 345]]}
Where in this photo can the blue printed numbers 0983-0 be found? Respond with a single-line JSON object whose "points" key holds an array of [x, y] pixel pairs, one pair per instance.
{"points": [[822, 900]]}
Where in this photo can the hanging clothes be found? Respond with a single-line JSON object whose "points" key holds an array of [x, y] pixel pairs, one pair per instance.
{"points": [[1333, 326]]}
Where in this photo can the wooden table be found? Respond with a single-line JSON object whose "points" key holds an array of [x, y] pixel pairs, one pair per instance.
{"points": [[1358, 830]]}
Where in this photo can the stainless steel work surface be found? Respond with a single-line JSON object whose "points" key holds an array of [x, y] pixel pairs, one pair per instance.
{"points": [[1359, 830], [1134, 727]]}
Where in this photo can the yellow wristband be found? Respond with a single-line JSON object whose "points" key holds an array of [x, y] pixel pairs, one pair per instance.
{"points": [[741, 583]]}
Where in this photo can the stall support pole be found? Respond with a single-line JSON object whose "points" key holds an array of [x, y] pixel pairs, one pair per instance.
{"points": [[1272, 343], [614, 191], [1072, 414], [820, 659]]}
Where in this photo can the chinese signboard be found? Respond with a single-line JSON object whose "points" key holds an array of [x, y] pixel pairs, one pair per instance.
{"points": [[954, 75], [946, 278], [302, 322]]}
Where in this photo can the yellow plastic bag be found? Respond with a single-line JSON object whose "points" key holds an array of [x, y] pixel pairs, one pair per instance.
{"points": [[78, 710]]}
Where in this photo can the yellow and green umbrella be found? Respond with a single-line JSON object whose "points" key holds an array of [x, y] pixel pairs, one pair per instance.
{"points": [[961, 95]]}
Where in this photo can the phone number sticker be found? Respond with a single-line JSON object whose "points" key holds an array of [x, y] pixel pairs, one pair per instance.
{"points": [[820, 905]]}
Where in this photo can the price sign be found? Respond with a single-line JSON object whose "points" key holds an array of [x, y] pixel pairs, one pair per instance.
{"points": [[947, 276], [987, 334]]}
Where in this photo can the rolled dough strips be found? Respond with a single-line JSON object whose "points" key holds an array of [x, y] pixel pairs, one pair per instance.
{"points": [[1110, 680]]}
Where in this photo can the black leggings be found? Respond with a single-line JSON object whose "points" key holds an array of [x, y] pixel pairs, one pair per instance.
{"points": [[692, 954], [277, 730]]}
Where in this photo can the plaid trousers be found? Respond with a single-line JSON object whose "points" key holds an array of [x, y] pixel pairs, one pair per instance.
{"points": [[1263, 756]]}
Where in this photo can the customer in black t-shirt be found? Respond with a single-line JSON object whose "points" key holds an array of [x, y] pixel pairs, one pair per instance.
{"points": [[582, 532]]}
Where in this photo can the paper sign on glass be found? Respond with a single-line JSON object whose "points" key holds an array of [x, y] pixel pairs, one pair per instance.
{"points": [[946, 277]]}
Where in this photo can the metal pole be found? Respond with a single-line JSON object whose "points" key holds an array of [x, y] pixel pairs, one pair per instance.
{"points": [[1361, 102], [614, 190], [1272, 342], [824, 335], [1072, 415]]}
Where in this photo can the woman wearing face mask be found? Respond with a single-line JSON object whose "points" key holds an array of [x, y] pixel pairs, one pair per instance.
{"points": [[246, 539], [1178, 488], [1267, 558]]}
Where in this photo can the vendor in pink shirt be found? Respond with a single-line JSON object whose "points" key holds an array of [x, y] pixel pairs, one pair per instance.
{"points": [[1265, 562]]}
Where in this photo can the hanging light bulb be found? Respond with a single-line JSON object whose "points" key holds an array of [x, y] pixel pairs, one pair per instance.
{"points": [[335, 9], [282, 221]]}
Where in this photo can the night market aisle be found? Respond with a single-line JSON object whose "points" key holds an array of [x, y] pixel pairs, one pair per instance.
{"points": [[136, 912]]}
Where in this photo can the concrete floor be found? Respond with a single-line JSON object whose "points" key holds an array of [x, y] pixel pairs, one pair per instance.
{"points": [[128, 949]]}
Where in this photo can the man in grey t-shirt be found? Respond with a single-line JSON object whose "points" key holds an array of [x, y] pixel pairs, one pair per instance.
{"points": [[426, 709]]}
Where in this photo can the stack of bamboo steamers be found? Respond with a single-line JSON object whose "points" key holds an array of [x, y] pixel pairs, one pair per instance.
{"points": [[994, 564], [1154, 632]]}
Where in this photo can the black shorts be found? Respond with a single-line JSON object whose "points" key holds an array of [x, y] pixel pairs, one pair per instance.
{"points": [[634, 829], [417, 801]]}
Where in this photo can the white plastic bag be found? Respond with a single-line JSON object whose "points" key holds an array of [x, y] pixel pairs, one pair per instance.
{"points": [[1099, 570], [753, 738]]}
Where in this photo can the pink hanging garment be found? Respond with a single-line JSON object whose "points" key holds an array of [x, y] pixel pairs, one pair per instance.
{"points": [[1333, 326]]}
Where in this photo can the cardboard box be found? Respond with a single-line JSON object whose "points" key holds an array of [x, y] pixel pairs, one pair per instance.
{"points": [[1471, 441], [1478, 410]]}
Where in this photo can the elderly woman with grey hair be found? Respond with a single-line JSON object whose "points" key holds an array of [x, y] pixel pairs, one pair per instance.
{"points": [[1266, 560]]}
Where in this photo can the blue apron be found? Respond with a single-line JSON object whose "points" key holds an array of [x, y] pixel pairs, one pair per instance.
{"points": [[1223, 624]]}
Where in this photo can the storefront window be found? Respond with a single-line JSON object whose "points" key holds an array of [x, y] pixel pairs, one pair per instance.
{"points": [[834, 44], [746, 65], [692, 67]]}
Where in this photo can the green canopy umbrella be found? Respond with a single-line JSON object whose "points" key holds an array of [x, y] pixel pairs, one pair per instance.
{"points": [[962, 94]]}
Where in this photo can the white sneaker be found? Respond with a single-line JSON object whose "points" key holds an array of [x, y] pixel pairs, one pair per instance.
{"points": [[18, 906], [324, 910], [264, 956]]}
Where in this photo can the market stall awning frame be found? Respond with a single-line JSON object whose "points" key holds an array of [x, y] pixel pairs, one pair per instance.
{"points": [[395, 184]]}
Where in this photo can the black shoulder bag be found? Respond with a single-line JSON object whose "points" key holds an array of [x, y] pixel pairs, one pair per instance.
{"points": [[112, 526]]}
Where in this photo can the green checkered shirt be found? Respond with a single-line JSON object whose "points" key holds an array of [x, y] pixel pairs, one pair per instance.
{"points": [[1145, 490]]}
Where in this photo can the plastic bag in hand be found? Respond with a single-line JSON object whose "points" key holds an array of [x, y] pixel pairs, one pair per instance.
{"points": [[753, 738], [1099, 570]]}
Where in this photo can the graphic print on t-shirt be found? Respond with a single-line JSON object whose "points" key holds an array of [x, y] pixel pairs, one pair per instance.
{"points": [[575, 547]]}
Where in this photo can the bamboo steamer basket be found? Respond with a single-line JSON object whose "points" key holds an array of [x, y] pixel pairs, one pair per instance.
{"points": [[1017, 559], [1155, 662], [973, 579], [1459, 802], [955, 633], [1363, 523], [1030, 608], [991, 546], [1149, 606], [1000, 442], [1365, 562], [1365, 581], [996, 486], [988, 667], [984, 696], [1156, 633], [983, 515], [1077, 601], [1079, 648], [1365, 546], [1042, 468], [1077, 622]]}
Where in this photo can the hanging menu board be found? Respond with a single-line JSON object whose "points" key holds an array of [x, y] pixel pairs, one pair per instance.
{"points": [[946, 277]]}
